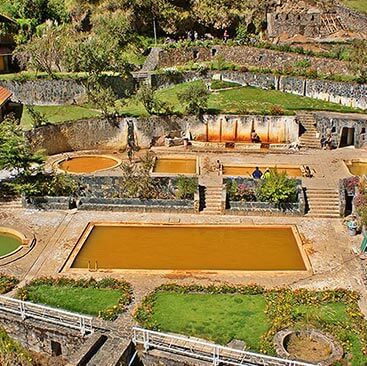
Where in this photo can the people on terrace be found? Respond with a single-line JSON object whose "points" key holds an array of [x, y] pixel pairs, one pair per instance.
{"points": [[257, 173], [266, 173]]}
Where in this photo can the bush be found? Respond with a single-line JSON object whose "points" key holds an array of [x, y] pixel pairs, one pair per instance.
{"points": [[148, 97], [195, 98], [7, 283], [278, 189], [277, 110], [240, 192], [186, 187]]}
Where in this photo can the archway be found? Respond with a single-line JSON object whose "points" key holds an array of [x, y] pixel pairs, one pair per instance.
{"points": [[347, 137]]}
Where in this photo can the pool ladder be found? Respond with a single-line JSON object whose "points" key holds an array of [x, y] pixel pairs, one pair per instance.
{"points": [[95, 269]]}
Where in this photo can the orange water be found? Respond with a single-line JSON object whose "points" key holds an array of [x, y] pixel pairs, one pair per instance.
{"points": [[237, 171], [190, 248], [87, 164], [187, 166], [358, 168]]}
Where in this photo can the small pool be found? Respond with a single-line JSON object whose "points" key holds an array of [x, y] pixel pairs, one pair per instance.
{"points": [[357, 167], [175, 166], [9, 243], [194, 247], [238, 171], [88, 164]]}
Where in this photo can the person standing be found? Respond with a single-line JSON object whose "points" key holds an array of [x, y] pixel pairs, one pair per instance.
{"points": [[257, 173]]}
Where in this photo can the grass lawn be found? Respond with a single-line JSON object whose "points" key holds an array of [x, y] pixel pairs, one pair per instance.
{"points": [[58, 114], [87, 300], [244, 100], [360, 5], [221, 315], [220, 318]]}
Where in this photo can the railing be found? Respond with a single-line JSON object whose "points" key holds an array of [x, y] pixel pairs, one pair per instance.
{"points": [[205, 351], [47, 314]]}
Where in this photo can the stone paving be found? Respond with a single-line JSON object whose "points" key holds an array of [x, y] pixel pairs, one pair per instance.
{"points": [[331, 251]]}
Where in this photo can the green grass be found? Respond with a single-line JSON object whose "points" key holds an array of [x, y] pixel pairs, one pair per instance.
{"points": [[360, 5], [8, 244], [85, 300], [219, 318], [244, 100], [219, 84], [59, 114]]}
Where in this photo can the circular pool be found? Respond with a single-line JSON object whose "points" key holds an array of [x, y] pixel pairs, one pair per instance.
{"points": [[10, 241], [87, 164]]}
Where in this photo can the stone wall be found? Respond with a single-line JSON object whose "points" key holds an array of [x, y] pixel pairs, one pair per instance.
{"points": [[337, 122], [37, 336], [60, 91], [252, 57], [355, 21], [102, 134]]}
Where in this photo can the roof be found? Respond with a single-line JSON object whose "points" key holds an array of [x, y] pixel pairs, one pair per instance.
{"points": [[5, 94]]}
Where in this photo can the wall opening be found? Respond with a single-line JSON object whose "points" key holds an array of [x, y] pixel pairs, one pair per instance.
{"points": [[56, 348], [195, 54], [347, 137], [214, 52]]}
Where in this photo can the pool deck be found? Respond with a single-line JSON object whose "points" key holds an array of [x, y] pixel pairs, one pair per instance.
{"points": [[331, 251]]}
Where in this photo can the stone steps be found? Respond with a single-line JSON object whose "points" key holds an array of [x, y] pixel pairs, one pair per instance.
{"points": [[308, 139], [12, 204], [323, 202], [213, 200]]}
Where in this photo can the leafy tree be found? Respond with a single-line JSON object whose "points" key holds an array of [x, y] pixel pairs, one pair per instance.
{"points": [[195, 98], [278, 189], [15, 152], [103, 97], [38, 118], [186, 187], [148, 97]]}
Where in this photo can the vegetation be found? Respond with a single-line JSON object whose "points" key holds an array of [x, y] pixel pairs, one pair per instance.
{"points": [[105, 298], [254, 315], [186, 187], [277, 188], [57, 114], [359, 59], [147, 96], [194, 98], [219, 84], [359, 5], [240, 191], [7, 283], [243, 100]]}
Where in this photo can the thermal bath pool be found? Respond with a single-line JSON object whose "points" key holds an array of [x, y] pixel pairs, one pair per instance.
{"points": [[357, 167], [175, 166], [244, 171], [87, 164], [9, 242], [195, 247]]}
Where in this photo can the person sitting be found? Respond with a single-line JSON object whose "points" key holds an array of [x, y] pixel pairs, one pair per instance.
{"points": [[257, 173], [266, 174], [307, 173], [218, 167], [255, 137]]}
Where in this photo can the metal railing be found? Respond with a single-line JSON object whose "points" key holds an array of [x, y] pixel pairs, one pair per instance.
{"points": [[25, 309], [205, 351]]}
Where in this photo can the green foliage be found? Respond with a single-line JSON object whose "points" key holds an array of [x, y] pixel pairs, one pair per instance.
{"points": [[15, 152], [358, 58], [277, 189], [38, 118], [240, 192], [106, 298], [152, 104], [186, 187], [219, 63], [7, 283], [195, 98], [242, 36], [219, 84]]}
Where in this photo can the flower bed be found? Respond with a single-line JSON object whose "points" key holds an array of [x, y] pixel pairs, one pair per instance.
{"points": [[106, 298], [201, 312], [7, 283]]}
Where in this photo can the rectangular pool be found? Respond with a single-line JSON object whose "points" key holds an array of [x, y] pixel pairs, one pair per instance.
{"points": [[246, 171], [174, 166], [194, 247]]}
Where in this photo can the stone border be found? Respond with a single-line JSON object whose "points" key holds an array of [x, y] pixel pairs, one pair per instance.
{"points": [[279, 341], [26, 237], [56, 164]]}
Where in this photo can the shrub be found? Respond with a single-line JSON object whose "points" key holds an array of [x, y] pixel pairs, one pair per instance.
{"points": [[242, 36], [277, 110], [195, 98], [240, 192], [148, 97], [186, 187], [277, 189], [7, 283]]}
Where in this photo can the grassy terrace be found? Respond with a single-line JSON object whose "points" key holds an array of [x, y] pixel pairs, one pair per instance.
{"points": [[243, 100], [222, 314], [360, 5], [59, 114], [106, 298]]}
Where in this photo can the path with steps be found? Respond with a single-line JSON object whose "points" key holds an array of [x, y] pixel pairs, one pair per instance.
{"points": [[212, 182], [11, 203], [323, 202], [308, 139]]}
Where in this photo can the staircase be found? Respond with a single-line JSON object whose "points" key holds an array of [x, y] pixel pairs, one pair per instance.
{"points": [[213, 200], [308, 139], [323, 202], [152, 61], [8, 203]]}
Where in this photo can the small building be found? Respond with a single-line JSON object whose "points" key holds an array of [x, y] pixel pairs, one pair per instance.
{"points": [[7, 106], [7, 44]]}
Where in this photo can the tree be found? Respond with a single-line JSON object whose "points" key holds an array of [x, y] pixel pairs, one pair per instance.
{"points": [[15, 153], [195, 98], [38, 118], [103, 97], [148, 97]]}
